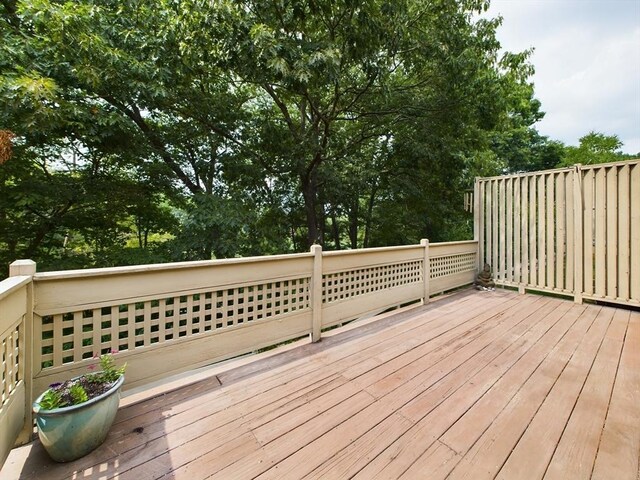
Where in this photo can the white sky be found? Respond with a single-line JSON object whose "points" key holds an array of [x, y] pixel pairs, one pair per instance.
{"points": [[587, 61]]}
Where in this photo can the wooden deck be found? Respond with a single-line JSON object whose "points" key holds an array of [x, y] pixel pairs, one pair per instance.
{"points": [[476, 385]]}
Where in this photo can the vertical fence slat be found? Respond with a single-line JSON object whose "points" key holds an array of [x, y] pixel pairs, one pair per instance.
{"points": [[162, 311], [147, 323], [37, 344], [316, 292], [494, 221], [517, 261], [480, 216], [501, 226], [577, 188], [560, 230], [601, 233], [634, 268], [533, 263], [6, 366], [509, 247], [227, 313], [623, 233], [202, 313], [57, 342], [524, 223], [489, 222], [189, 325], [549, 225], [574, 209], [95, 334], [77, 336], [588, 232], [130, 328], [612, 232], [542, 238]]}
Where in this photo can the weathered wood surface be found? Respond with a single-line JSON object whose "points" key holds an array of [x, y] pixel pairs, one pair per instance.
{"points": [[168, 319], [476, 385], [573, 231]]}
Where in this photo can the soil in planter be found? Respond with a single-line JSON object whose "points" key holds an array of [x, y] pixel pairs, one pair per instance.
{"points": [[92, 387]]}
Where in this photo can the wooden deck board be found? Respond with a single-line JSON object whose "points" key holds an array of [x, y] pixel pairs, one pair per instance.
{"points": [[485, 455], [619, 447], [482, 385]]}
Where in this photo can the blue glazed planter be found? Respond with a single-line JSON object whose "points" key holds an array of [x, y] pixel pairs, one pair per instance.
{"points": [[69, 433]]}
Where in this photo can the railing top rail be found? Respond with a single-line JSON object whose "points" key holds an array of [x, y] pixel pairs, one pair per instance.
{"points": [[335, 253], [449, 244], [11, 284], [356, 251], [95, 272]]}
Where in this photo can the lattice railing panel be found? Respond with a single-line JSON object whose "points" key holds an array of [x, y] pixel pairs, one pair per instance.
{"points": [[9, 369], [352, 283], [74, 336], [452, 264]]}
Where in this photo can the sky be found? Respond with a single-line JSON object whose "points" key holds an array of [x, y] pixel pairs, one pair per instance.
{"points": [[587, 62]]}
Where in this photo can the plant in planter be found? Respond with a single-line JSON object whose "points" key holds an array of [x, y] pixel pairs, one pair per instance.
{"points": [[74, 417]]}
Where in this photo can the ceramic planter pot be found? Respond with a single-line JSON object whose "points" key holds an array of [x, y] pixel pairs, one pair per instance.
{"points": [[69, 433]]}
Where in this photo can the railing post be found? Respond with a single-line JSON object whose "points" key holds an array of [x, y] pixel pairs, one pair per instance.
{"points": [[578, 235], [427, 270], [478, 221], [26, 268], [22, 267], [316, 293]]}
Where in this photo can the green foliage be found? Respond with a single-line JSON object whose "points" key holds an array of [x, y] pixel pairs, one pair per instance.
{"points": [[109, 371], [148, 132], [594, 148], [83, 388], [78, 394], [51, 399]]}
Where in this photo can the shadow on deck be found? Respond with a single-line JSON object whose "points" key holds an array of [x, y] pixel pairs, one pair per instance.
{"points": [[474, 385]]}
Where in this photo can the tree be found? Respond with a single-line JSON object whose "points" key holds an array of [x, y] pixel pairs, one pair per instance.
{"points": [[263, 126], [594, 148]]}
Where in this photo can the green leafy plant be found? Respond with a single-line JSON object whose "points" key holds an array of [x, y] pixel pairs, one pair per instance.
{"points": [[51, 399], [78, 394], [85, 387]]}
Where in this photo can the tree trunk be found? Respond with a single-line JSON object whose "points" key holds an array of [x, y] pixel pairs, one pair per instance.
{"points": [[335, 229], [353, 223], [367, 225], [310, 194]]}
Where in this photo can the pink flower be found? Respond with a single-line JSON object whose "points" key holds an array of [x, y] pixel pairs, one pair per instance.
{"points": [[91, 367]]}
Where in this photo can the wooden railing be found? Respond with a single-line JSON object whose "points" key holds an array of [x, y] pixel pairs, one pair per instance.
{"points": [[166, 319], [15, 390], [572, 231]]}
